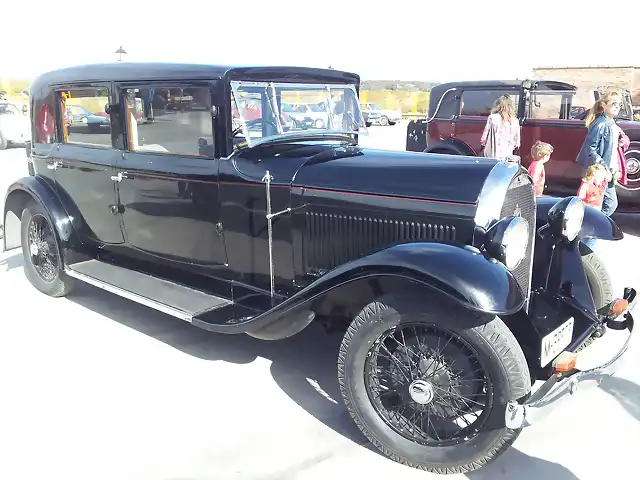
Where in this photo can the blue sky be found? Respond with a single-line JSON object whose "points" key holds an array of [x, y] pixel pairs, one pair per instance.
{"points": [[416, 40]]}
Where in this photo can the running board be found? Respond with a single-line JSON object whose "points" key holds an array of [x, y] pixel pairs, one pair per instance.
{"points": [[162, 295]]}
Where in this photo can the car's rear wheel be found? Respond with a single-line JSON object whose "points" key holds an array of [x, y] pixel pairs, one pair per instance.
{"points": [[384, 121], [43, 265], [427, 381]]}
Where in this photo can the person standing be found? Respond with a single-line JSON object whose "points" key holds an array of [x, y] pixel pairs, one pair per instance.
{"points": [[501, 135], [540, 154], [601, 144]]}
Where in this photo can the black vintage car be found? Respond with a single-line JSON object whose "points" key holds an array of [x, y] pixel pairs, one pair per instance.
{"points": [[453, 288]]}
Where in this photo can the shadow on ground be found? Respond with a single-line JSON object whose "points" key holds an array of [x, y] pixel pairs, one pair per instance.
{"points": [[513, 464], [9, 262], [626, 392], [304, 367]]}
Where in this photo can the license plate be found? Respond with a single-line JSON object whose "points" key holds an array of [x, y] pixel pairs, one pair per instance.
{"points": [[555, 342]]}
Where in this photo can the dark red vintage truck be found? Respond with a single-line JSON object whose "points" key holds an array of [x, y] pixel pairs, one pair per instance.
{"points": [[458, 112]]}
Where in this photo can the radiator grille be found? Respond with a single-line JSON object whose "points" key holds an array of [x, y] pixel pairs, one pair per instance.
{"points": [[333, 239], [520, 198]]}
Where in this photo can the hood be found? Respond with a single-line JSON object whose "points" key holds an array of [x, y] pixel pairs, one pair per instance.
{"points": [[446, 178]]}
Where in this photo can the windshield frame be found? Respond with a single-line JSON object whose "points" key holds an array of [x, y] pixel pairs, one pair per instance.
{"points": [[242, 89]]}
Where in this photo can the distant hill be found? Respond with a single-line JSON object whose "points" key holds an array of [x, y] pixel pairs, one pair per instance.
{"points": [[397, 85]]}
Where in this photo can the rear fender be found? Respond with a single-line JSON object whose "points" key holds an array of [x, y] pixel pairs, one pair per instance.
{"points": [[595, 224], [18, 194], [461, 273]]}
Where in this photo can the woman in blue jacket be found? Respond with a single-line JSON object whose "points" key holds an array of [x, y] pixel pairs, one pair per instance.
{"points": [[601, 143]]}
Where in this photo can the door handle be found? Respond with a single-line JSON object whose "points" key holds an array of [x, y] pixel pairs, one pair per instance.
{"points": [[54, 165], [119, 177]]}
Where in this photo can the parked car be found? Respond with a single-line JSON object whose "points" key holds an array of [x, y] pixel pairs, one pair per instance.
{"points": [[458, 112], [78, 115], [383, 117], [452, 287], [14, 125], [307, 115]]}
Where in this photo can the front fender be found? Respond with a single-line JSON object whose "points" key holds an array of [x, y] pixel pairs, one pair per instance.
{"points": [[18, 194], [595, 224], [461, 273]]}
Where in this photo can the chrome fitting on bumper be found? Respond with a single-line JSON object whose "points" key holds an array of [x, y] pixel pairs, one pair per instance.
{"points": [[560, 385]]}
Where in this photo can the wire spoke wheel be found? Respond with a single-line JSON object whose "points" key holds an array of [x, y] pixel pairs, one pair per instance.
{"points": [[42, 248], [428, 384]]}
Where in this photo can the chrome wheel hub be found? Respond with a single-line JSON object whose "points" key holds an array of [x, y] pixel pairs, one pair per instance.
{"points": [[421, 392], [33, 249], [633, 166]]}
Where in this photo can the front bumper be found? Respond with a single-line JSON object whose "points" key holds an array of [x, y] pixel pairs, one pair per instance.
{"points": [[561, 386]]}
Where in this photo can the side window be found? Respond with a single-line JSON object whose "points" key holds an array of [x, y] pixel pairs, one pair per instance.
{"points": [[478, 103], [85, 121], [549, 105], [174, 120], [46, 124]]}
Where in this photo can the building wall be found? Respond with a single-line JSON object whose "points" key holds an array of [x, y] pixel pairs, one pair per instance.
{"points": [[586, 78]]}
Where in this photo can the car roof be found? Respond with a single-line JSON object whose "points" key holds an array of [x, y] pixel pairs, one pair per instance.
{"points": [[134, 71], [437, 91]]}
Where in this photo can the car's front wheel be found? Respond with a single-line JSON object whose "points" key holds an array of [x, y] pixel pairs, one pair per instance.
{"points": [[427, 381], [43, 264]]}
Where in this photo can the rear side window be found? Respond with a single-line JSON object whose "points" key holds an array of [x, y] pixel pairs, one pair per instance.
{"points": [[478, 103], [85, 121], [46, 125]]}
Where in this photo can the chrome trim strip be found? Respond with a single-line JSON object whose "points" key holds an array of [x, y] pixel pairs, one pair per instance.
{"points": [[491, 197], [174, 312]]}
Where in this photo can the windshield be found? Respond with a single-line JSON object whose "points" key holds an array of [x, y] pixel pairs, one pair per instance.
{"points": [[263, 111]]}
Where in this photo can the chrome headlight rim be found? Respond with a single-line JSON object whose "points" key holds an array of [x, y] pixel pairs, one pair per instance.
{"points": [[507, 241], [566, 217]]}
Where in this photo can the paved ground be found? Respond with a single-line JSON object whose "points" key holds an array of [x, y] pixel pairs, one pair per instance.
{"points": [[96, 387]]}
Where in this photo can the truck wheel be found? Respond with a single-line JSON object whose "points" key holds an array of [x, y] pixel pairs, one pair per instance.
{"points": [[43, 265], [427, 381]]}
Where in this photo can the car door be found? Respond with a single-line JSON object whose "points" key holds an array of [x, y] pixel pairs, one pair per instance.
{"points": [[547, 119], [167, 177], [475, 108], [83, 162]]}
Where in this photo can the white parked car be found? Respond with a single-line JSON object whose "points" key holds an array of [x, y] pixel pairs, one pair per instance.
{"points": [[306, 115], [387, 117], [14, 125]]}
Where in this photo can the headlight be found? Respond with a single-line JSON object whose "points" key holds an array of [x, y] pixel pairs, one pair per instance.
{"points": [[565, 217], [507, 240]]}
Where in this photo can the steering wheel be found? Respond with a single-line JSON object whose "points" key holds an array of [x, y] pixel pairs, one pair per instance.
{"points": [[253, 122]]}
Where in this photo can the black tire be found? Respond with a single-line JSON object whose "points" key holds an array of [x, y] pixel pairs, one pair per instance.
{"points": [[506, 372], [392, 123], [58, 284], [3, 142], [601, 287], [599, 281], [384, 121]]}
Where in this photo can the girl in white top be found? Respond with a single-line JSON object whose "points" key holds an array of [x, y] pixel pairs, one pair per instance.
{"points": [[502, 132]]}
